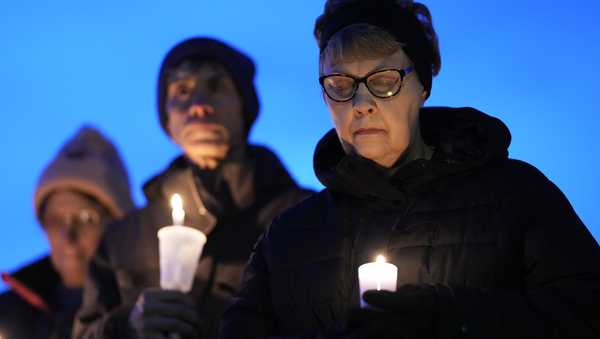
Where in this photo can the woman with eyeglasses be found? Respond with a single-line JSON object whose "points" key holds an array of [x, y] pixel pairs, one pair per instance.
{"points": [[485, 246], [84, 187]]}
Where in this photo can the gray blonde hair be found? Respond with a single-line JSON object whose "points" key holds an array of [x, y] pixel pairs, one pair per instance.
{"points": [[359, 41], [362, 40]]}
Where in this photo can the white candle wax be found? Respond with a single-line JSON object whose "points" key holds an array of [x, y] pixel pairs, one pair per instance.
{"points": [[378, 275]]}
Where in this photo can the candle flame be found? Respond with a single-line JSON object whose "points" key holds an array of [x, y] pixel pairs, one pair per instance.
{"points": [[380, 259], [178, 214], [176, 202]]}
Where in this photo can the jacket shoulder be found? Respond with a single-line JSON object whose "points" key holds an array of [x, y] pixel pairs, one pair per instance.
{"points": [[522, 168], [521, 174], [528, 187]]}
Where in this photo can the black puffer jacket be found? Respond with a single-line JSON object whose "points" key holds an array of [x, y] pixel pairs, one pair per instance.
{"points": [[38, 306], [232, 211], [497, 234]]}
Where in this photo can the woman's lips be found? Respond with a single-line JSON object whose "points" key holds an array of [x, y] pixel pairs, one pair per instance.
{"points": [[368, 131]]}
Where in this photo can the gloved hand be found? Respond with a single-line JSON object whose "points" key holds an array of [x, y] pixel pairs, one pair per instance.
{"points": [[158, 314], [411, 312]]}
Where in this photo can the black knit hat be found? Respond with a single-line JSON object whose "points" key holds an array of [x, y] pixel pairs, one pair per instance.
{"points": [[409, 23], [240, 67]]}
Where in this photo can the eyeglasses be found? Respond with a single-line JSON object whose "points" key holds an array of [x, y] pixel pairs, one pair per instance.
{"points": [[83, 222], [382, 84]]}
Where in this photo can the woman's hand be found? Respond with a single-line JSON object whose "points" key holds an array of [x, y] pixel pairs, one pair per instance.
{"points": [[412, 311], [159, 313]]}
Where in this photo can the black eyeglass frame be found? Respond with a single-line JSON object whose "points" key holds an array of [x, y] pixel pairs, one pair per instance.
{"points": [[358, 80]]}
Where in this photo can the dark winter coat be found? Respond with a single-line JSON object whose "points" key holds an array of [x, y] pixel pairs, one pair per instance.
{"points": [[495, 232], [38, 306], [232, 206]]}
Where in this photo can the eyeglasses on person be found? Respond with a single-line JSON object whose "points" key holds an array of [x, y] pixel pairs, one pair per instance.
{"points": [[384, 83], [84, 221]]}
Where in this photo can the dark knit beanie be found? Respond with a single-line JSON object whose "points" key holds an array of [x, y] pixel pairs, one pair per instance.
{"points": [[240, 67], [408, 23]]}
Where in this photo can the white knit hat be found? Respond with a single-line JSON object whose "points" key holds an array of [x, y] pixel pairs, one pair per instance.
{"points": [[90, 164]]}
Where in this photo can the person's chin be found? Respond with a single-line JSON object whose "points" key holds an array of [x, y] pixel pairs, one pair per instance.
{"points": [[206, 150], [369, 151], [372, 140], [72, 279], [74, 264]]}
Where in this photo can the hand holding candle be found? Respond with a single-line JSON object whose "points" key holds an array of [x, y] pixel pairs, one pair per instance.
{"points": [[180, 248], [377, 275]]}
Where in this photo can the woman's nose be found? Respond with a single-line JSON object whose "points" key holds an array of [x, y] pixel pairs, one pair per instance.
{"points": [[363, 101]]}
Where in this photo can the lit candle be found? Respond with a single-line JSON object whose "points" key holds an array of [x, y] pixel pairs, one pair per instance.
{"points": [[179, 247], [177, 213], [378, 275]]}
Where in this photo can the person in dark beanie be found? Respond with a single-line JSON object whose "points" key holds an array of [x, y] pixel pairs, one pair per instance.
{"points": [[85, 186], [485, 246], [231, 191]]}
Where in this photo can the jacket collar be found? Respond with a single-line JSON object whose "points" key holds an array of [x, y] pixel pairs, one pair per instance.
{"points": [[248, 179], [462, 139]]}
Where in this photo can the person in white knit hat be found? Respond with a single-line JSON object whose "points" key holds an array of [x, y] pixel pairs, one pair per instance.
{"points": [[85, 186]]}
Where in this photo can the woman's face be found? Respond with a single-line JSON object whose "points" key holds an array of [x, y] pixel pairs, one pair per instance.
{"points": [[73, 225], [377, 129]]}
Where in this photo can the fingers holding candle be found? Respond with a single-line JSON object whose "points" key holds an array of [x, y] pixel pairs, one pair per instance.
{"points": [[159, 311], [410, 298]]}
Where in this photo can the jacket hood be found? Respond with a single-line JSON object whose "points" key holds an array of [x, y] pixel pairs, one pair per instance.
{"points": [[462, 138]]}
